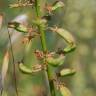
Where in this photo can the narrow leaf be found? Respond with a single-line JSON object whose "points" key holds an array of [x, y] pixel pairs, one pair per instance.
{"points": [[1, 20], [5, 66]]}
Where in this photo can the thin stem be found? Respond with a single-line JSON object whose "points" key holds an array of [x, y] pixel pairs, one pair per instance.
{"points": [[43, 41], [37, 7], [52, 88], [13, 60], [44, 47], [51, 77], [40, 28]]}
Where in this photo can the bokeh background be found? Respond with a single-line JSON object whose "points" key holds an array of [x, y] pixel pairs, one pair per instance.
{"points": [[78, 17]]}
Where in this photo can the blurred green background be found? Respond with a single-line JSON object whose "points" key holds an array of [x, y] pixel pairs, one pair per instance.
{"points": [[78, 17]]}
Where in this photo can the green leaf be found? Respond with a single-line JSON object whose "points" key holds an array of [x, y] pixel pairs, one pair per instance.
{"points": [[65, 91], [67, 72], [57, 4], [18, 27], [55, 61]]}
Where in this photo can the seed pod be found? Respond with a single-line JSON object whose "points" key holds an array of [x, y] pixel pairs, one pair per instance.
{"points": [[57, 4], [26, 70], [55, 61], [64, 91], [69, 48], [18, 27], [67, 37], [67, 72], [64, 34]]}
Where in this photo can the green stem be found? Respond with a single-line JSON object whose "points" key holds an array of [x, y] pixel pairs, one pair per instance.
{"points": [[44, 47], [40, 28], [52, 87], [37, 7], [51, 76], [43, 41]]}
